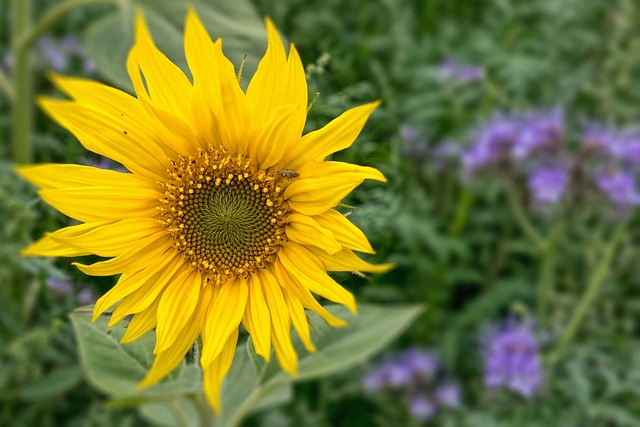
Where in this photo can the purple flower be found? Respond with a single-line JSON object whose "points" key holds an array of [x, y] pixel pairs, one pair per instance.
{"points": [[104, 163], [420, 365], [626, 148], [512, 359], [59, 287], [598, 139], [86, 297], [447, 394], [387, 375], [421, 407], [403, 370], [451, 69], [408, 133], [537, 132], [411, 145], [548, 185], [53, 53], [70, 44], [619, 187], [492, 142]]}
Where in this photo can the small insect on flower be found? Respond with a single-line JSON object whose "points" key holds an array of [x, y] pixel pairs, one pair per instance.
{"points": [[288, 173]]}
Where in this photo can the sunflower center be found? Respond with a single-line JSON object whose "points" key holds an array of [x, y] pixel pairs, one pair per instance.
{"points": [[225, 216]]}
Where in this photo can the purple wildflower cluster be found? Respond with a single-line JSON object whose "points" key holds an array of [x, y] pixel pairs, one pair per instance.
{"points": [[534, 148], [415, 377], [512, 359]]}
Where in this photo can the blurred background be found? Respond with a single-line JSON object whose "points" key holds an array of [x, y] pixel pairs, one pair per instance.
{"points": [[510, 134]]}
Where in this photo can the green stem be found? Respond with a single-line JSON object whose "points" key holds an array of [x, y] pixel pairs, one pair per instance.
{"points": [[462, 213], [521, 217], [545, 286], [246, 406], [178, 413], [200, 402], [21, 111], [52, 16], [593, 288], [5, 86]]}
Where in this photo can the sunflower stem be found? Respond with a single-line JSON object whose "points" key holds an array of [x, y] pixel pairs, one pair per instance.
{"points": [[200, 402], [246, 406], [178, 413]]}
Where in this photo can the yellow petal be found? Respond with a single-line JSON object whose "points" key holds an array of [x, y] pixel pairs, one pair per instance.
{"points": [[347, 234], [107, 239], [280, 324], [106, 203], [214, 372], [256, 318], [337, 135], [308, 270], [177, 304], [201, 55], [47, 246], [304, 296], [145, 295], [346, 171], [305, 230], [315, 196], [218, 98], [100, 133], [267, 87], [165, 84], [129, 283], [141, 323], [299, 319], [321, 186], [346, 260], [279, 81], [224, 317], [271, 139], [51, 176], [141, 256], [232, 114], [171, 357], [120, 107], [169, 126]]}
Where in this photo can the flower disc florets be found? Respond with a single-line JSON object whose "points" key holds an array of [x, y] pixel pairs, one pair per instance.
{"points": [[226, 216]]}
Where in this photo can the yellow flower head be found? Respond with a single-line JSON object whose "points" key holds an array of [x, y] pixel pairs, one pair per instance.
{"points": [[227, 215]]}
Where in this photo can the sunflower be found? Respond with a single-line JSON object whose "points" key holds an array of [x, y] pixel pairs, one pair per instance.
{"points": [[226, 215]]}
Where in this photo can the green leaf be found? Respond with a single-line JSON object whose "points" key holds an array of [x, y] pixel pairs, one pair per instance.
{"points": [[58, 381], [116, 369], [368, 332], [110, 367], [108, 40]]}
